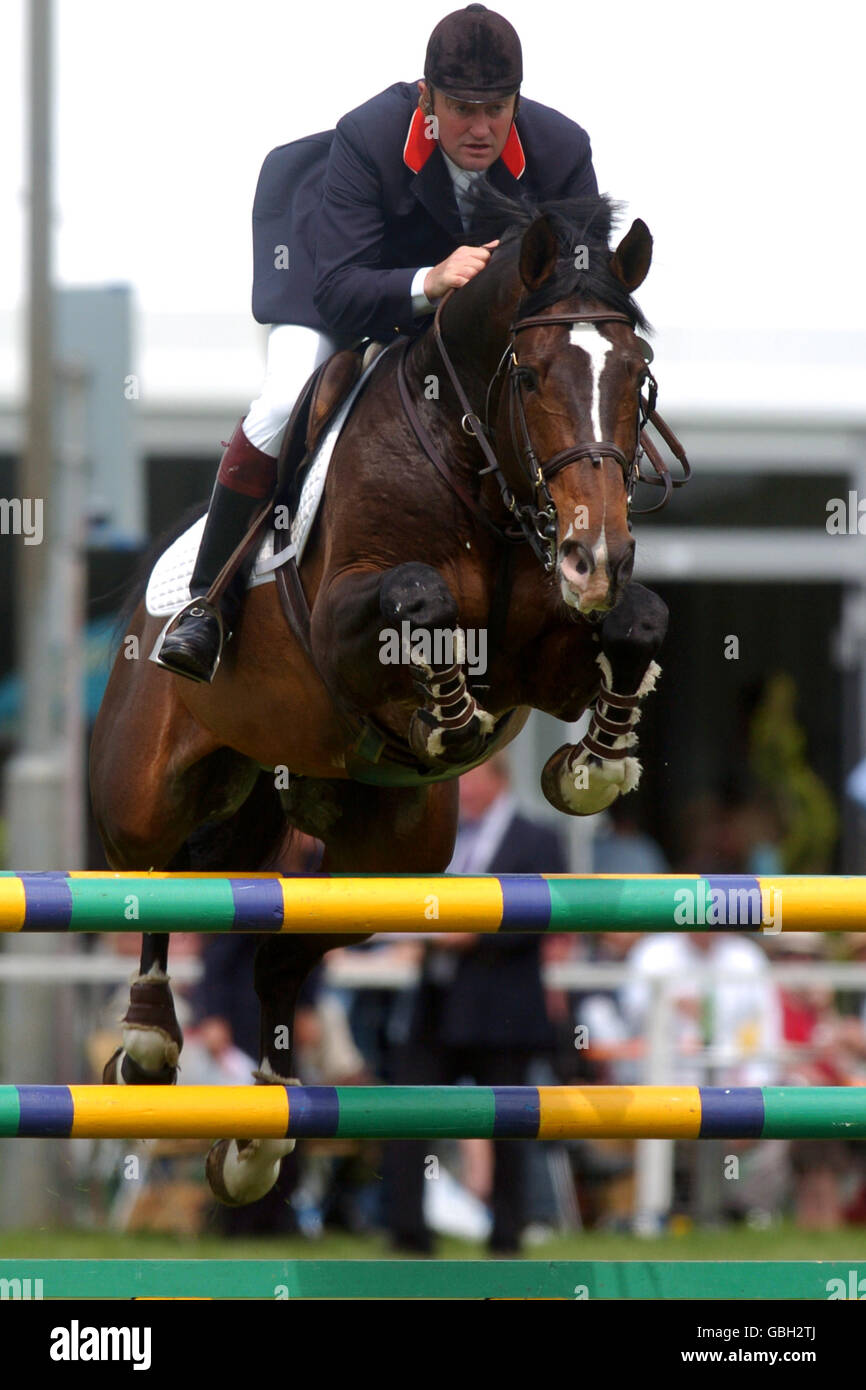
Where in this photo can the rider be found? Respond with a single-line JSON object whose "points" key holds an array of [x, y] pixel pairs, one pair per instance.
{"points": [[357, 233]]}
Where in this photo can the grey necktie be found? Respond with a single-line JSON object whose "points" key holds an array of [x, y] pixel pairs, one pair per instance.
{"points": [[463, 182]]}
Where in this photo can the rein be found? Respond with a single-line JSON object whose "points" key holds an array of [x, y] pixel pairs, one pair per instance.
{"points": [[536, 518]]}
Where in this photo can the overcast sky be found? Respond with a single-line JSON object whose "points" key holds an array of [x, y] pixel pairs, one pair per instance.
{"points": [[736, 131]]}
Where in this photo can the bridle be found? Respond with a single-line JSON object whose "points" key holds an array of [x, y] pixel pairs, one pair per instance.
{"points": [[536, 517]]}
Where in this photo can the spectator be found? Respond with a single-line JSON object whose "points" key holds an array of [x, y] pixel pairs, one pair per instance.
{"points": [[228, 1029], [479, 1010], [622, 847], [737, 1015], [827, 1049]]}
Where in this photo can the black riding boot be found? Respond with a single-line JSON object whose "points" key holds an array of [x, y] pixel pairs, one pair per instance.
{"points": [[194, 644]]}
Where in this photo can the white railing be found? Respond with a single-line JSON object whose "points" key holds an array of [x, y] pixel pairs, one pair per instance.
{"points": [[364, 971], [350, 970]]}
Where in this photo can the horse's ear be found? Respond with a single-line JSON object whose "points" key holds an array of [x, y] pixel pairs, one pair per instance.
{"points": [[539, 252], [631, 260]]}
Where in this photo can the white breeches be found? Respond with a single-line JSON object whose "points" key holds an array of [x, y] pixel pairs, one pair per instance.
{"points": [[293, 353]]}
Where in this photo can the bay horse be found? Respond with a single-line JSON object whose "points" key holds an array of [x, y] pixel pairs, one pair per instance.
{"points": [[482, 482]]}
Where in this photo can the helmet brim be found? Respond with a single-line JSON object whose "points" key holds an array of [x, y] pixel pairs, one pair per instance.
{"points": [[472, 95]]}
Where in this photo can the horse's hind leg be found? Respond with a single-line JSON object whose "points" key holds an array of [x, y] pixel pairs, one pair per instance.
{"points": [[367, 830], [156, 777], [144, 752], [587, 777], [151, 1035], [241, 1171], [152, 1038]]}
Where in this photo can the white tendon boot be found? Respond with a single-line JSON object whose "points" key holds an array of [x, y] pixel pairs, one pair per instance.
{"points": [[584, 778]]}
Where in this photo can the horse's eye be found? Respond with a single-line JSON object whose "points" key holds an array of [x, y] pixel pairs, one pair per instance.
{"points": [[528, 377]]}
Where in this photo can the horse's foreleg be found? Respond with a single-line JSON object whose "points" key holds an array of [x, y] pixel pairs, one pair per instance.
{"points": [[393, 634], [450, 727], [581, 779]]}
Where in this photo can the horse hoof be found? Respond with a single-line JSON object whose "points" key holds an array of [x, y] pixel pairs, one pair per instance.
{"points": [[240, 1171], [111, 1075], [122, 1070], [444, 748], [579, 784]]}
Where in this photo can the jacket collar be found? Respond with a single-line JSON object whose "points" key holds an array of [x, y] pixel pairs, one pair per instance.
{"points": [[433, 188], [418, 148]]}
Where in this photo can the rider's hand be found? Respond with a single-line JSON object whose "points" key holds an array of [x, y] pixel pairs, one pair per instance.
{"points": [[460, 267]]}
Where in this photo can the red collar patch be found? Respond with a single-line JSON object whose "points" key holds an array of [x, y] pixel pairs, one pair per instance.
{"points": [[418, 147]]}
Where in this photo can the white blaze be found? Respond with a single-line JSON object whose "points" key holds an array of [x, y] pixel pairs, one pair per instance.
{"points": [[587, 336]]}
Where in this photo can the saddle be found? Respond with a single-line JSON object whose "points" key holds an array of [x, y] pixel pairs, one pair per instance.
{"points": [[320, 398]]}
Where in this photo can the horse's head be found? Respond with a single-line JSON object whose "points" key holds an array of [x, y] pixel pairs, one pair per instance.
{"points": [[571, 409], [545, 338]]}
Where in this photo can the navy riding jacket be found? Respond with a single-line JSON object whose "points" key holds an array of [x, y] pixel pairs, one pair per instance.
{"points": [[342, 220], [496, 999]]}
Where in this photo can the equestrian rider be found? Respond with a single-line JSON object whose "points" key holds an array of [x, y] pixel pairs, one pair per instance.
{"points": [[357, 233]]}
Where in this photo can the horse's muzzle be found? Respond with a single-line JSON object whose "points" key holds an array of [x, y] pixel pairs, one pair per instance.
{"points": [[591, 580]]}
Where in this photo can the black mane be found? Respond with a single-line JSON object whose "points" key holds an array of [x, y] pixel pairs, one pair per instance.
{"points": [[576, 222]]}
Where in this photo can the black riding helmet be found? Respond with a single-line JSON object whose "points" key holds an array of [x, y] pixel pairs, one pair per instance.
{"points": [[474, 55]]}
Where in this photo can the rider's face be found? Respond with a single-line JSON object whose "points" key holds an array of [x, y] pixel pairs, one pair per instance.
{"points": [[472, 135]]}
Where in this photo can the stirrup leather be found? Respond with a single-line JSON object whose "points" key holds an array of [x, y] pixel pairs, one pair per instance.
{"points": [[196, 608]]}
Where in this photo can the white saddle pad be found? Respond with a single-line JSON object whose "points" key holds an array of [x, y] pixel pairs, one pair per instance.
{"points": [[168, 586]]}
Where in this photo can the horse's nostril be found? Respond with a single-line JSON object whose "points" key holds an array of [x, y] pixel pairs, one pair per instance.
{"points": [[622, 573], [578, 558]]}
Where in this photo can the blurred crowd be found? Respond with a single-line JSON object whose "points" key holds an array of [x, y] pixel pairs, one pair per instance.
{"points": [[482, 1010]]}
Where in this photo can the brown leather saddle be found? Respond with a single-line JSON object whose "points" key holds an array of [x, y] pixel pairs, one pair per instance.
{"points": [[319, 401], [320, 398]]}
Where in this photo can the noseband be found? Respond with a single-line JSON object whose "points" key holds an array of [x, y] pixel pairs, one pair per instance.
{"points": [[536, 519]]}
